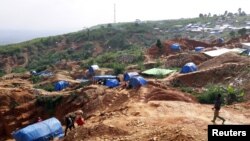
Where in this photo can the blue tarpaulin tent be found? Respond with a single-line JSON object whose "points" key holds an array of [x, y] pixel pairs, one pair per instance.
{"points": [[41, 131], [111, 83], [198, 49], [175, 47], [60, 85], [103, 77], [137, 81], [92, 69], [247, 52], [189, 67], [129, 75]]}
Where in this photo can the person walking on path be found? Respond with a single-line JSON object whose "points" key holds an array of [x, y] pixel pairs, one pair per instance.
{"points": [[69, 119], [216, 108]]}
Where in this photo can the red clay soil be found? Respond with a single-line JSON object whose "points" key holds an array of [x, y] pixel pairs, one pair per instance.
{"points": [[245, 38], [223, 59], [171, 94], [95, 131], [10, 100], [221, 74], [185, 44], [181, 59], [156, 120]]}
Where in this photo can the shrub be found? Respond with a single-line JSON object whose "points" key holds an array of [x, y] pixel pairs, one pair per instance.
{"points": [[229, 95], [118, 68], [49, 103], [209, 96], [36, 79], [234, 95]]}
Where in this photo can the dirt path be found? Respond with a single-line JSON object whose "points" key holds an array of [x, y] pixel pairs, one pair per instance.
{"points": [[159, 120]]}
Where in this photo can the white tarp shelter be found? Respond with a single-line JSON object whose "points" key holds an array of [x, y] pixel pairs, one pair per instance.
{"points": [[245, 45], [221, 51]]}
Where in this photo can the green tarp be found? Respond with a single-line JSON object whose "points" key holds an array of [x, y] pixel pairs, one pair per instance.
{"points": [[157, 71]]}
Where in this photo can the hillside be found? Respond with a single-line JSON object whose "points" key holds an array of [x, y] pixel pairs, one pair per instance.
{"points": [[176, 106], [43, 53]]}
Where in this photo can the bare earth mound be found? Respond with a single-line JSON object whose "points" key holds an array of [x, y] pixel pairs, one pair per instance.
{"points": [[223, 59], [180, 60]]}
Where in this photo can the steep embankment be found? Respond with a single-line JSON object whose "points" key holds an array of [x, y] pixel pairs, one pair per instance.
{"points": [[222, 69]]}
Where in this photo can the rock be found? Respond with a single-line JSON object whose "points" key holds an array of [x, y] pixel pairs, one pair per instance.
{"points": [[135, 113]]}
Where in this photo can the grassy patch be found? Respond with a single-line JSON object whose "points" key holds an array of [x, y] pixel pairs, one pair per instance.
{"points": [[47, 87]]}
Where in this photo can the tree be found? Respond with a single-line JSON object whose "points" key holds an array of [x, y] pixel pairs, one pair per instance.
{"points": [[239, 10], [225, 13], [230, 14], [232, 34], [242, 31], [243, 13], [201, 15], [209, 14], [158, 43], [109, 25]]}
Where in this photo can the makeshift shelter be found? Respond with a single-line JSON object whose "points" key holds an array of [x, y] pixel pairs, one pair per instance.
{"points": [[129, 75], [92, 69], [103, 77], [40, 131], [42, 73], [199, 49], [189, 67], [111, 83], [137, 81], [60, 85], [220, 40], [221, 51], [175, 47], [246, 52], [158, 71], [45, 73], [246, 45]]}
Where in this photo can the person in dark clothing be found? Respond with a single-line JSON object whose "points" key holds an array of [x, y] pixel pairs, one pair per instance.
{"points": [[69, 119], [216, 108]]}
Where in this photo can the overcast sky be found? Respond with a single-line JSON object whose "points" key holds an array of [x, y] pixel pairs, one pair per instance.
{"points": [[76, 14]]}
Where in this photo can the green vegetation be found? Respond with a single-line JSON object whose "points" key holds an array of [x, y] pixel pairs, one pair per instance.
{"points": [[19, 70], [229, 94], [2, 73], [242, 31], [118, 59], [36, 79], [118, 41], [47, 87], [158, 44], [118, 68], [187, 89], [49, 102]]}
